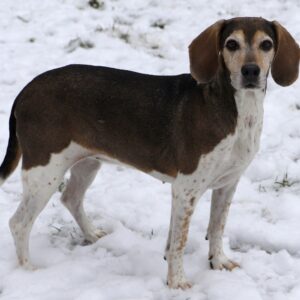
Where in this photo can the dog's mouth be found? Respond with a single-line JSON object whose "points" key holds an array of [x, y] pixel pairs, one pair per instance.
{"points": [[251, 86], [247, 84]]}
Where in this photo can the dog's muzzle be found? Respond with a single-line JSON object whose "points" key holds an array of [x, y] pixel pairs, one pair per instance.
{"points": [[250, 74]]}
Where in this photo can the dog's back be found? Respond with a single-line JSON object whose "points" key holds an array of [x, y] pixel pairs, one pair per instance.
{"points": [[101, 108]]}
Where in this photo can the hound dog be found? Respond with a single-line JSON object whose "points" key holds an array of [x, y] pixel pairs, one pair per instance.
{"points": [[197, 131]]}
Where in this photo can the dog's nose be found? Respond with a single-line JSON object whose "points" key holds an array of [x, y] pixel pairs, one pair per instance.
{"points": [[250, 72]]}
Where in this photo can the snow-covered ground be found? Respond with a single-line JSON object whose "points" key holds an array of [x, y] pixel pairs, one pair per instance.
{"points": [[150, 36]]}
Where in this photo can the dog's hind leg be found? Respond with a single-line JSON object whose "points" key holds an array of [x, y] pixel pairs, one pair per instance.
{"points": [[39, 183], [82, 175]]}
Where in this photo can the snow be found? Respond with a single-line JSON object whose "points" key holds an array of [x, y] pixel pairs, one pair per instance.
{"points": [[149, 36]]}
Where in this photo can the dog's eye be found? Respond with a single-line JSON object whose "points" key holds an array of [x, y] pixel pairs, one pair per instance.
{"points": [[266, 45], [232, 45]]}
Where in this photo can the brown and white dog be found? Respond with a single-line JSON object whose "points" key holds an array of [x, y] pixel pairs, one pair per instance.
{"points": [[197, 131]]}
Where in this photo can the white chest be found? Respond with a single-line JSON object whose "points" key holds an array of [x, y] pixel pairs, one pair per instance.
{"points": [[249, 126], [234, 153]]}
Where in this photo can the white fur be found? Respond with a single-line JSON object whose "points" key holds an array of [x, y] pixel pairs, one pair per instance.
{"points": [[162, 177], [82, 175], [39, 183]]}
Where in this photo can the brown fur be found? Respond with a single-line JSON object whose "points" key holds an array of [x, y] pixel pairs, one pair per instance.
{"points": [[13, 151], [163, 126], [204, 52], [285, 67]]}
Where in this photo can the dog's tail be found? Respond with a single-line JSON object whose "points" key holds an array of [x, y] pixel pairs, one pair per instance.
{"points": [[13, 151]]}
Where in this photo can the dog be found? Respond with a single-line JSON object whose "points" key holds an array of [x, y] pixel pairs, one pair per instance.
{"points": [[197, 131]]}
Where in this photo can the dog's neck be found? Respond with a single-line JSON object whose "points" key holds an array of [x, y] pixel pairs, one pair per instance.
{"points": [[250, 115], [247, 101]]}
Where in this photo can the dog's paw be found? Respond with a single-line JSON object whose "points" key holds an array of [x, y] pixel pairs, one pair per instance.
{"points": [[182, 284], [178, 282], [94, 236], [28, 266], [221, 262]]}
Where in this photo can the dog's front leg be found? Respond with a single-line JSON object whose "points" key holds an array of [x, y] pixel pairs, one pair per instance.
{"points": [[221, 200], [183, 204]]}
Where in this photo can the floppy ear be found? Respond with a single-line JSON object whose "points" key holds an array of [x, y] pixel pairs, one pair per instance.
{"points": [[204, 52], [285, 65]]}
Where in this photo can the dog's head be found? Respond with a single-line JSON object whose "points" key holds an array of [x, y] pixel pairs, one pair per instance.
{"points": [[248, 48]]}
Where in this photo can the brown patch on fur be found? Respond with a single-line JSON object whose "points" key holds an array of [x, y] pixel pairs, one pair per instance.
{"points": [[183, 239], [185, 229], [154, 123], [222, 227], [204, 52], [285, 66], [249, 26], [235, 59], [13, 151], [262, 58], [192, 201]]}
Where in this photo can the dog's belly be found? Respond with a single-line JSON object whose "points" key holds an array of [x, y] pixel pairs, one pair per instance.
{"points": [[157, 175]]}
